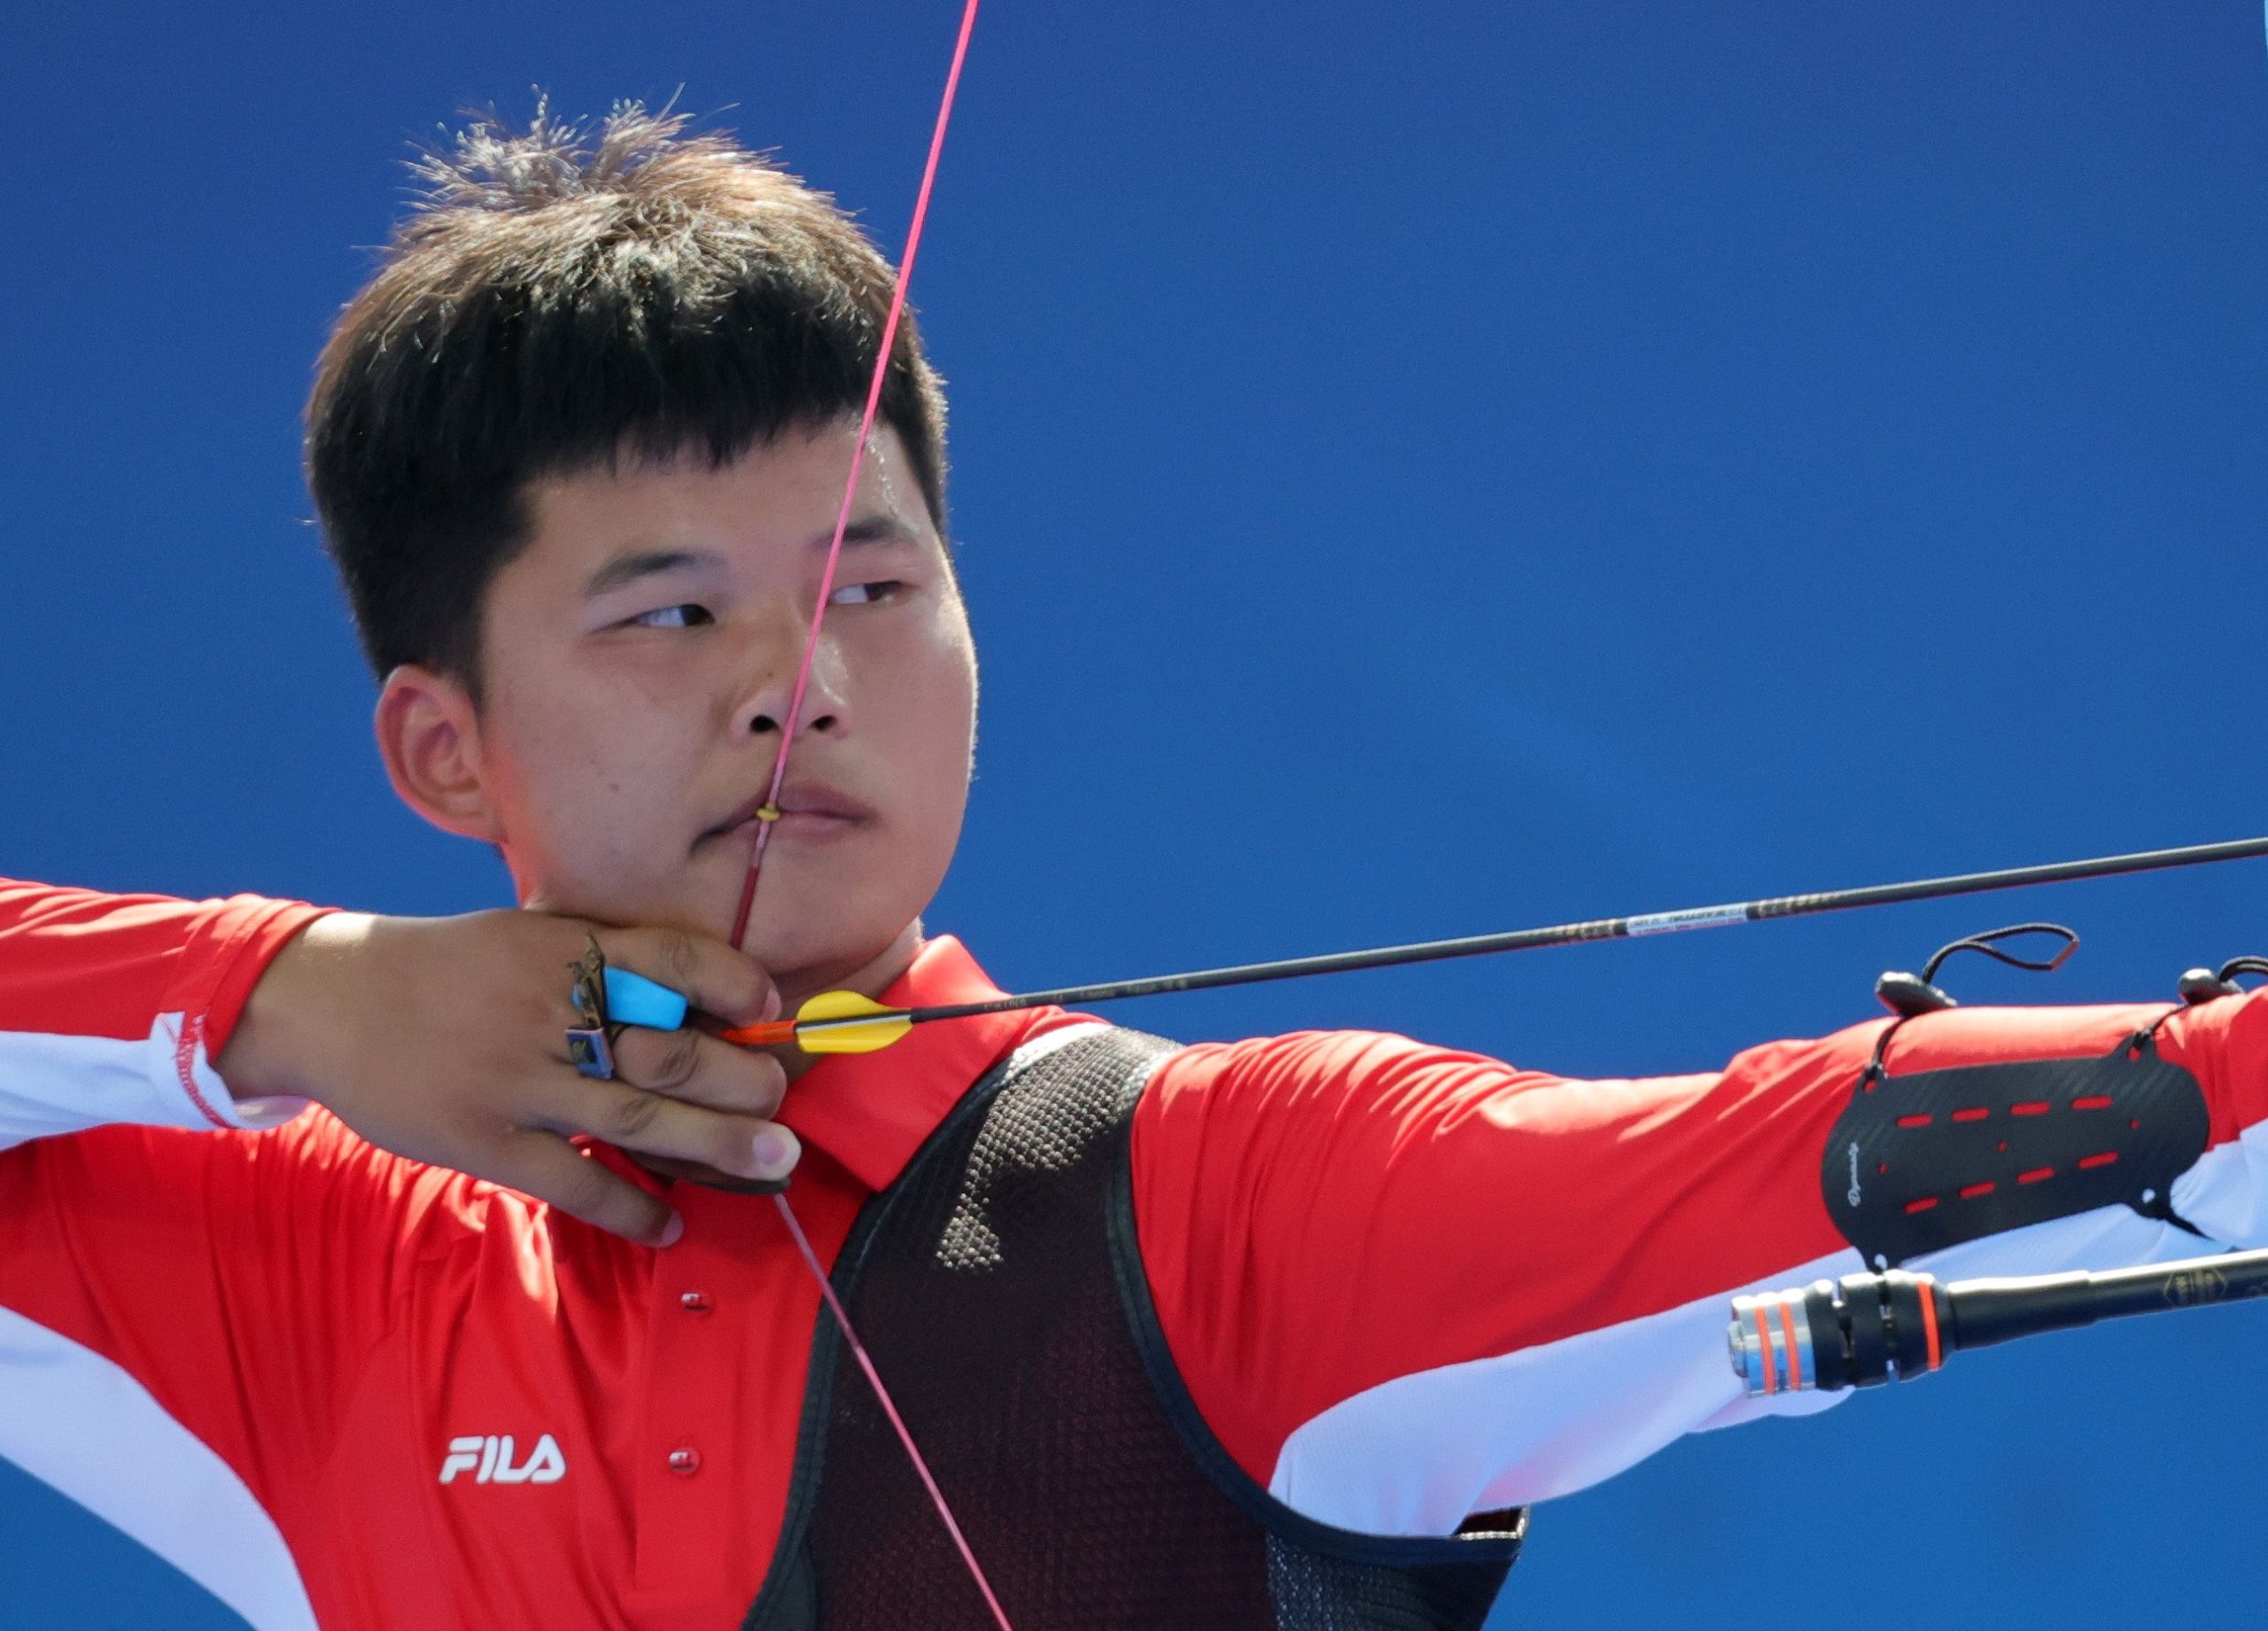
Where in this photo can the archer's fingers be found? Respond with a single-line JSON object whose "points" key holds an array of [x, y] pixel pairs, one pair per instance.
{"points": [[649, 1124], [546, 1166], [698, 1068], [713, 976]]}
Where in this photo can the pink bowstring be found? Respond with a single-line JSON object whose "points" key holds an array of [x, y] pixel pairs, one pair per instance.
{"points": [[858, 462], [780, 778], [889, 1408]]}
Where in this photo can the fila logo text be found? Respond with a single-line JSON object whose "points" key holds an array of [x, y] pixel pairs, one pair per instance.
{"points": [[489, 1459]]}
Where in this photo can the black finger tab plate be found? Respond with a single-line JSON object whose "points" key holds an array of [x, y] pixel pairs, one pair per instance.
{"points": [[1919, 1163]]}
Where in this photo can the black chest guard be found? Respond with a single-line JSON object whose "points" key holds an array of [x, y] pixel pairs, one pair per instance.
{"points": [[997, 1286]]}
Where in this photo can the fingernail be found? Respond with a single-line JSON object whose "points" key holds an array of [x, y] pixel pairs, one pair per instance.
{"points": [[776, 1151], [771, 1003], [673, 1230]]}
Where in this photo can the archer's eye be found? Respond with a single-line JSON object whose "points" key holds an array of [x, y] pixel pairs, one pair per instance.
{"points": [[863, 593], [683, 616]]}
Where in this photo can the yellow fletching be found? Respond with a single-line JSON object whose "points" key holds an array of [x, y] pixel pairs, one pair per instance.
{"points": [[837, 1038]]}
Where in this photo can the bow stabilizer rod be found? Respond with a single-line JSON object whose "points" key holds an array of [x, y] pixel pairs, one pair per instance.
{"points": [[1865, 1330], [844, 1022]]}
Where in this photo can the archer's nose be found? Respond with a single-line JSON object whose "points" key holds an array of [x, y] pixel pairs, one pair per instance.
{"points": [[824, 709]]}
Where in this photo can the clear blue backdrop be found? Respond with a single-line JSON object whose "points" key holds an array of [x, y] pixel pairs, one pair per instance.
{"points": [[1421, 468]]}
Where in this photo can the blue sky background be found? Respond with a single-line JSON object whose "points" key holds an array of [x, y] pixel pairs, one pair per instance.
{"points": [[1420, 469]]}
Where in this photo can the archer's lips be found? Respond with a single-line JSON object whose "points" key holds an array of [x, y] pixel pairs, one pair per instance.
{"points": [[807, 810]]}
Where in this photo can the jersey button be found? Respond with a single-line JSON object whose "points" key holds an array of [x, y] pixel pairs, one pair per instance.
{"points": [[685, 1462], [695, 1302]]}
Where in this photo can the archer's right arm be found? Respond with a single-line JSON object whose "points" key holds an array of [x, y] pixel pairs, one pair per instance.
{"points": [[440, 1039], [114, 1007]]}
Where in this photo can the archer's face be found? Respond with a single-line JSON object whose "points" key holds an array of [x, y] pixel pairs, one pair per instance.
{"points": [[639, 658]]}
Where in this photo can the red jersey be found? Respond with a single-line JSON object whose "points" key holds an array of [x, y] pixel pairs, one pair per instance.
{"points": [[346, 1389]]}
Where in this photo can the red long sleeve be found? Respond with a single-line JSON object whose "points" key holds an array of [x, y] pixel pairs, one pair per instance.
{"points": [[1405, 1283]]}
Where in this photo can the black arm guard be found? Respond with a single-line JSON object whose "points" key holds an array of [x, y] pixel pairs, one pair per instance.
{"points": [[1918, 1163]]}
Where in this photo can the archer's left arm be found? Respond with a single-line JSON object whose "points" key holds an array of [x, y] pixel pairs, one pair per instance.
{"points": [[1406, 1283]]}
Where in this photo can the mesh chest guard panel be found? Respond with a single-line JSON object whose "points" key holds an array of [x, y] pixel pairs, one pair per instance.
{"points": [[998, 1287]]}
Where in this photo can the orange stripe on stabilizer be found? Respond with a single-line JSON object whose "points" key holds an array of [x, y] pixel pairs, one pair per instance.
{"points": [[2103, 1159], [1795, 1353], [1771, 1365], [1930, 1322]]}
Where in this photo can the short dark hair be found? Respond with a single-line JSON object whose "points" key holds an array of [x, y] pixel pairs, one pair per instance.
{"points": [[553, 302]]}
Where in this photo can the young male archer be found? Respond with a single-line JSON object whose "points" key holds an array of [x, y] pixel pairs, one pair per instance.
{"points": [[1276, 1331]]}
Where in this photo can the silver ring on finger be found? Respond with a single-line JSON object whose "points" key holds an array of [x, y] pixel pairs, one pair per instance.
{"points": [[590, 1047]]}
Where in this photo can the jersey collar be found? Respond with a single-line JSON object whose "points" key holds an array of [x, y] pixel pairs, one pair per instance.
{"points": [[871, 1112]]}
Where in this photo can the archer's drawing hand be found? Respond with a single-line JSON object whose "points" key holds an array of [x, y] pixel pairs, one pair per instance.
{"points": [[443, 1039]]}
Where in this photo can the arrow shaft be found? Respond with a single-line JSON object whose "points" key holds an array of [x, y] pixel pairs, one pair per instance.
{"points": [[1634, 927]]}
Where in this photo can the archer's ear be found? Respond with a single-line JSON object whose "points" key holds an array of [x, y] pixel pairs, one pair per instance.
{"points": [[428, 736]]}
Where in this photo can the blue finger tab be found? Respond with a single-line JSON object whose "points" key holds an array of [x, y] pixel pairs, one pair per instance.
{"points": [[633, 999]]}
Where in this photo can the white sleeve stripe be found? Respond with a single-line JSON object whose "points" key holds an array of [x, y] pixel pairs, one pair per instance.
{"points": [[81, 1424], [1418, 1454], [52, 1084], [2225, 1193]]}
